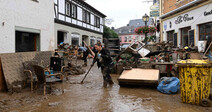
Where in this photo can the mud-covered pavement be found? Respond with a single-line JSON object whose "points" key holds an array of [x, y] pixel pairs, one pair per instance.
{"points": [[92, 97]]}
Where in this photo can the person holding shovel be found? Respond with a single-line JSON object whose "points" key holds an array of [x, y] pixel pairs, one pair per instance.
{"points": [[103, 59]]}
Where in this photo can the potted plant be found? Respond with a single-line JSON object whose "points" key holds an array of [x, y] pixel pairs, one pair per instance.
{"points": [[145, 29]]}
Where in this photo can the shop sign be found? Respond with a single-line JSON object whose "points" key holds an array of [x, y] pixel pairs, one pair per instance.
{"points": [[155, 7], [184, 18], [207, 13], [154, 13]]}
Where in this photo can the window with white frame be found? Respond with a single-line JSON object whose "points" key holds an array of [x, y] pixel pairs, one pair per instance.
{"points": [[97, 21], [67, 8], [74, 11], [85, 16]]}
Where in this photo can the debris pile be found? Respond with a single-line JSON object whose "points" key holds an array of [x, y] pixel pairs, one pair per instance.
{"points": [[74, 70]]}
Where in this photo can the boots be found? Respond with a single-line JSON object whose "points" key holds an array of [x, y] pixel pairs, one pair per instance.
{"points": [[111, 82], [85, 64], [105, 84]]}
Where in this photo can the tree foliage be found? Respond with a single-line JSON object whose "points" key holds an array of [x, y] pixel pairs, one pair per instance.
{"points": [[108, 33]]}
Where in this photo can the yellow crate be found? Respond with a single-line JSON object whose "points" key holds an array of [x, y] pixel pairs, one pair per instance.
{"points": [[195, 81]]}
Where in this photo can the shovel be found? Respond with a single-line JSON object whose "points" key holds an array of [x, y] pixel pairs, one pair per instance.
{"points": [[86, 73]]}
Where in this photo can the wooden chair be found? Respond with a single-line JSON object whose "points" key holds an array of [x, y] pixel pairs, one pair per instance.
{"points": [[29, 71], [47, 79]]}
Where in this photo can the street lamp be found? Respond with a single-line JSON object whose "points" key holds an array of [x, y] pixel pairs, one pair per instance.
{"points": [[145, 18]]}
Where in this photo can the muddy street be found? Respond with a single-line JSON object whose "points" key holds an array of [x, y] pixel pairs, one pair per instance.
{"points": [[91, 96]]}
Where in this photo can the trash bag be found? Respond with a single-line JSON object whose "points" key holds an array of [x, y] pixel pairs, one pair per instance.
{"points": [[210, 56], [169, 85]]}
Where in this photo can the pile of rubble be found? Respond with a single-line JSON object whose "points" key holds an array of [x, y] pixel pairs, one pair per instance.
{"points": [[73, 69]]}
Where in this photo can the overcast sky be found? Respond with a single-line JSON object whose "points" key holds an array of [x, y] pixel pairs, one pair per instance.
{"points": [[121, 11]]}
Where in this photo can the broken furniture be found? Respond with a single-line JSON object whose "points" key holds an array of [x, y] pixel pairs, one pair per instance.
{"points": [[137, 76], [12, 66], [168, 67], [47, 79], [29, 71]]}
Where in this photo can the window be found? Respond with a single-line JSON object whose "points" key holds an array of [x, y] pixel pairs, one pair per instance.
{"points": [[184, 36], [97, 21], [75, 39], [125, 39], [170, 36], [130, 39], [25, 41], [73, 11], [129, 30], [85, 16], [92, 41], [67, 8], [205, 32]]}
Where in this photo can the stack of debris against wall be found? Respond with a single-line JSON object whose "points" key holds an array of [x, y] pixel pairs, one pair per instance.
{"points": [[163, 53], [12, 66]]}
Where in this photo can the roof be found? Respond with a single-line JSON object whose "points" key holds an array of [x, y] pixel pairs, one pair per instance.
{"points": [[129, 29], [138, 22], [81, 2]]}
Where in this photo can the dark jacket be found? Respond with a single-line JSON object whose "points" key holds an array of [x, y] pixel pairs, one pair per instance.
{"points": [[105, 60]]}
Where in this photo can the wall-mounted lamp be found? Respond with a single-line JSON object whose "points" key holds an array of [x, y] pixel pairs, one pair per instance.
{"points": [[2, 23]]}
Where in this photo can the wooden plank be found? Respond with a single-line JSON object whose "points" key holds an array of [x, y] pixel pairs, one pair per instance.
{"points": [[195, 55], [138, 76], [90, 51]]}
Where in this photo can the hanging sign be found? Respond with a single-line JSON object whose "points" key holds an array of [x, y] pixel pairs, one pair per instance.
{"points": [[154, 13], [155, 7]]}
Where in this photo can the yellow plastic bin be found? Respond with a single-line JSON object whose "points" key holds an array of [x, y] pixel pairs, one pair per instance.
{"points": [[195, 81]]}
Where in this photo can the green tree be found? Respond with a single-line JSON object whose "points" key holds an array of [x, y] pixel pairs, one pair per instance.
{"points": [[108, 33]]}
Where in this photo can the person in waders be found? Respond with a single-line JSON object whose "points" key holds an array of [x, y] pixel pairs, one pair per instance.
{"points": [[103, 59]]}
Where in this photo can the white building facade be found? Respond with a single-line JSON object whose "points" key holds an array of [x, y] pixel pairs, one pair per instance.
{"points": [[189, 26], [76, 21], [26, 25]]}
